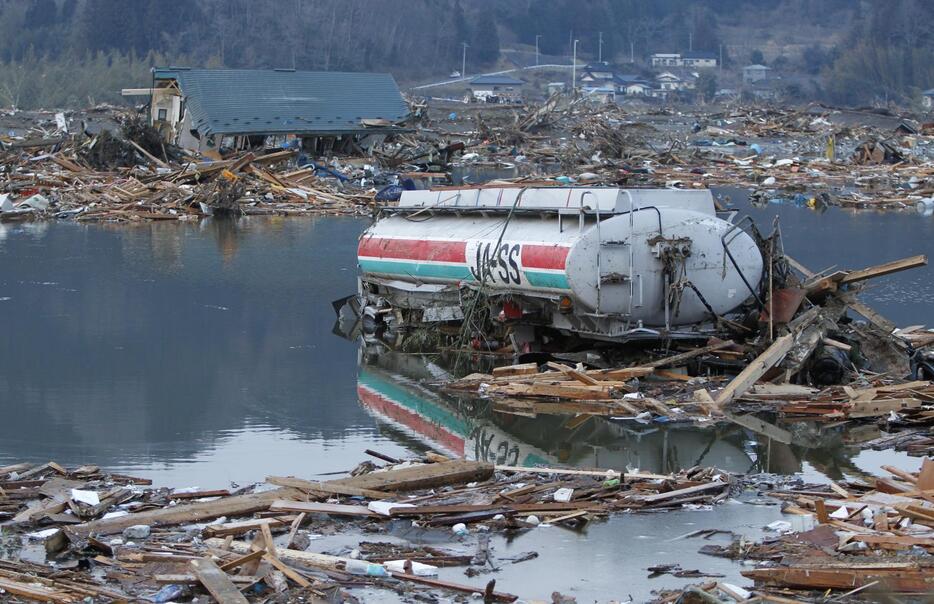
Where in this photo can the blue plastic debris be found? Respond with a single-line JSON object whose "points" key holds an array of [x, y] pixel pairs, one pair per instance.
{"points": [[755, 147], [389, 193], [168, 593], [452, 116]]}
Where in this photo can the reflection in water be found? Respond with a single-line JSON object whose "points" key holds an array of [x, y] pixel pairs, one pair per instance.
{"points": [[198, 353], [391, 387], [150, 346]]}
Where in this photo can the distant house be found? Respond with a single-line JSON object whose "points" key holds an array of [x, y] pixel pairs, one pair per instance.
{"points": [[496, 89], [927, 98], [637, 89], [668, 81], [206, 109], [755, 73], [699, 58], [597, 74], [662, 59], [690, 58]]}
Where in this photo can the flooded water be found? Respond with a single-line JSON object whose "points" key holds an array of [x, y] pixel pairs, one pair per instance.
{"points": [[202, 354]]}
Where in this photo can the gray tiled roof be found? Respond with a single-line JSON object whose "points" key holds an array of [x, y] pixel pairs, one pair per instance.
{"points": [[248, 101]]}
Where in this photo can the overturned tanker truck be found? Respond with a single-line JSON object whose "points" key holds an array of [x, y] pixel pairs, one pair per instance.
{"points": [[534, 267]]}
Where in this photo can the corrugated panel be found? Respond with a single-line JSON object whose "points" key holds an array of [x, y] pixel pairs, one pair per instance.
{"points": [[242, 101]]}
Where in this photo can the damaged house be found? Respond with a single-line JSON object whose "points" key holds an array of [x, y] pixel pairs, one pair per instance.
{"points": [[207, 109]]}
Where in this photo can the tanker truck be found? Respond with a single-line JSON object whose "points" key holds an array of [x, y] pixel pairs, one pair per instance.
{"points": [[593, 263]]}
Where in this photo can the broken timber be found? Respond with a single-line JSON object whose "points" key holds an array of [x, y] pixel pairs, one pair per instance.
{"points": [[755, 370]]}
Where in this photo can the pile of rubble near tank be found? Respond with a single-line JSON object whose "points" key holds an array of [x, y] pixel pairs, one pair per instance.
{"points": [[809, 361]]}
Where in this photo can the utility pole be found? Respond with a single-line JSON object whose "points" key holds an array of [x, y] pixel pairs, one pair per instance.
{"points": [[600, 49], [632, 52], [691, 41], [537, 36], [574, 68], [464, 61], [721, 58]]}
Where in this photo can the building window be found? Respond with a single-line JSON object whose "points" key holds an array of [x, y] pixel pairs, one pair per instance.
{"points": [[163, 114]]}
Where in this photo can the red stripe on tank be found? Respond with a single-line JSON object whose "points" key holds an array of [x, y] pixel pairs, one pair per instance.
{"points": [[413, 249], [389, 408], [544, 256]]}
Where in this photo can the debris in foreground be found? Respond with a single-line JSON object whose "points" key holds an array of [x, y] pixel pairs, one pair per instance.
{"points": [[110, 536]]}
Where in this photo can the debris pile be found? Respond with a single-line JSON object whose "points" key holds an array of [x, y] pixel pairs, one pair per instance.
{"points": [[103, 535], [128, 173], [818, 365], [842, 539]]}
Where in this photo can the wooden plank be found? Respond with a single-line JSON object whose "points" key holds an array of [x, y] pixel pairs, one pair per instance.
{"points": [[756, 369], [842, 578], [293, 530], [626, 373], [678, 493], [597, 473], [288, 572], [926, 475], [687, 356], [217, 582], [242, 560], [238, 505], [35, 592], [880, 407], [510, 370], [201, 494], [761, 426], [496, 595], [458, 471], [871, 315], [573, 373], [311, 507], [468, 508], [184, 579], [563, 390], [324, 488], [288, 555], [885, 269], [244, 526]]}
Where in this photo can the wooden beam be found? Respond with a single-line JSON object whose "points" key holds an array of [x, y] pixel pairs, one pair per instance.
{"points": [[885, 269], [573, 373], [217, 582], [756, 369], [311, 507], [687, 356], [459, 471], [324, 489], [238, 505]]}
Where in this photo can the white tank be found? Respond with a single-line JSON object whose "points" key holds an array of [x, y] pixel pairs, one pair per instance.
{"points": [[612, 252]]}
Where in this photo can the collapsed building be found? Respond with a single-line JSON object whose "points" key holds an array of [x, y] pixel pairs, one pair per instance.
{"points": [[210, 109]]}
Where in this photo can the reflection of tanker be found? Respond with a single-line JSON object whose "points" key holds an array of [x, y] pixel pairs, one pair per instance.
{"points": [[389, 387]]}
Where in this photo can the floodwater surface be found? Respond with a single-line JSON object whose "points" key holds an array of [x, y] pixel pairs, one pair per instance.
{"points": [[203, 354]]}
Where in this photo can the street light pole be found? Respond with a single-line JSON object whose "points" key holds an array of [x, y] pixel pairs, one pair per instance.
{"points": [[464, 61], [537, 36], [600, 49], [574, 68]]}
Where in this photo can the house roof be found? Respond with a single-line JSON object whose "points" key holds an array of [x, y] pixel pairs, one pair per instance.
{"points": [[285, 101], [699, 54], [928, 92], [496, 80], [756, 66]]}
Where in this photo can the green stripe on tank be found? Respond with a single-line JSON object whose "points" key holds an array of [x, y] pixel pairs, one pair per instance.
{"points": [[416, 269], [550, 280], [433, 412]]}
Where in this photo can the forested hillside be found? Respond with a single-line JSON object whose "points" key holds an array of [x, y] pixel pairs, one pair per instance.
{"points": [[71, 52]]}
